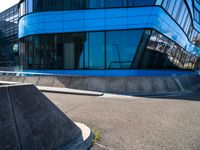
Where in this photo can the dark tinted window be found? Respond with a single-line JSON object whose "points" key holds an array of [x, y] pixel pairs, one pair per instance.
{"points": [[124, 49], [95, 3], [116, 3], [74, 4], [140, 2]]}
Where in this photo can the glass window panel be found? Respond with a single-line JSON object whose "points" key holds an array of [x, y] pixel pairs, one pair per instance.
{"points": [[95, 54], [181, 14], [22, 9], [36, 52], [73, 51], [30, 52], [29, 6], [96, 4], [177, 16], [165, 3], [121, 47], [116, 3], [184, 18], [74, 4], [140, 2], [170, 8], [53, 4], [37, 5], [49, 46], [176, 8]]}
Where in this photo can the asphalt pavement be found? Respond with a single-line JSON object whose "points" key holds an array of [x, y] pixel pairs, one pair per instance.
{"points": [[169, 122]]}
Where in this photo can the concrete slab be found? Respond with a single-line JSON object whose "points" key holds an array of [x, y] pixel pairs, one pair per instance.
{"points": [[133, 85], [160, 85], [79, 83], [116, 85], [33, 80], [17, 79], [194, 79], [46, 81], [184, 81], [8, 132], [41, 125], [5, 78], [62, 82], [146, 85], [172, 85], [96, 84]]}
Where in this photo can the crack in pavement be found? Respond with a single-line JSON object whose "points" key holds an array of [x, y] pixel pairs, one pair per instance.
{"points": [[102, 146]]}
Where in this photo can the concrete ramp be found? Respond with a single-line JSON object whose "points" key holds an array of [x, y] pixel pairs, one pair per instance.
{"points": [[30, 121]]}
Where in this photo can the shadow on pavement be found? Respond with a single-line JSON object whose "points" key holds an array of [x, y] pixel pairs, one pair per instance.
{"points": [[187, 95]]}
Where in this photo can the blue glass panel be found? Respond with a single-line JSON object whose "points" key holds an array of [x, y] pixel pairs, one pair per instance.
{"points": [[96, 52], [30, 6], [121, 47]]}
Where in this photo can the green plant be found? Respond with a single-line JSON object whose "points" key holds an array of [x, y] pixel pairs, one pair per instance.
{"points": [[97, 136]]}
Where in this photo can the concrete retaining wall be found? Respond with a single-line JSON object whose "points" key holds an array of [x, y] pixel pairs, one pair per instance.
{"points": [[116, 85]]}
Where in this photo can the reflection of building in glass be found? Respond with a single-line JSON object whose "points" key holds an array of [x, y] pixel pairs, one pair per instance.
{"points": [[109, 34], [9, 37]]}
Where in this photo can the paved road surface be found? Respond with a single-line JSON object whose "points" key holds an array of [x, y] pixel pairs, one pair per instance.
{"points": [[138, 123]]}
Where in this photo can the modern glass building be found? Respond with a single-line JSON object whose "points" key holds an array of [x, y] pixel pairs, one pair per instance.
{"points": [[9, 38], [109, 37]]}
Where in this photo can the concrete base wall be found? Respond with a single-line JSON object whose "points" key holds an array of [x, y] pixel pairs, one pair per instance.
{"points": [[115, 85]]}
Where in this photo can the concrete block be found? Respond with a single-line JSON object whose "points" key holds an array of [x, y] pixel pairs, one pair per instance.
{"points": [[5, 78], [41, 125], [79, 83], [46, 81], [17, 79], [146, 85], [116, 85], [194, 79], [133, 85], [184, 81], [96, 84], [172, 85], [8, 133], [1, 78], [34, 80], [62, 82], [160, 85]]}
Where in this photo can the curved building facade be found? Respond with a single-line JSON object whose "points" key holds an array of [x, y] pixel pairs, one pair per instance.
{"points": [[109, 35]]}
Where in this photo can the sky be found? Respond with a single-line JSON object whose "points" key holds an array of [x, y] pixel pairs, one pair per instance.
{"points": [[5, 4]]}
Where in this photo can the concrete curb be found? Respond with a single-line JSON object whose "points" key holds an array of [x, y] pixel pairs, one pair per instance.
{"points": [[68, 91], [87, 136], [59, 90]]}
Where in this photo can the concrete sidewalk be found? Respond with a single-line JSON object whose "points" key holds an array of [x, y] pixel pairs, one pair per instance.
{"points": [[137, 123]]}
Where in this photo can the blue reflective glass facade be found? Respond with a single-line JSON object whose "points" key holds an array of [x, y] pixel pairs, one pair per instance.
{"points": [[103, 35]]}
